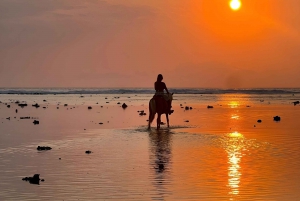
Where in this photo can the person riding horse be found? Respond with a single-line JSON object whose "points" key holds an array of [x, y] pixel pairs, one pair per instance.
{"points": [[159, 88]]}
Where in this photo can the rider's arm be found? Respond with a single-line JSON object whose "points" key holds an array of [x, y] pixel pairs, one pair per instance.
{"points": [[166, 88]]}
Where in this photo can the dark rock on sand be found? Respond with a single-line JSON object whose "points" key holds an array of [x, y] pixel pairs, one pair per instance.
{"points": [[124, 106], [22, 105], [141, 113], [24, 117], [276, 118], [36, 105], [88, 152], [186, 121], [187, 108], [36, 122], [296, 102], [41, 148], [259, 121], [210, 106], [33, 180], [89, 107], [8, 106]]}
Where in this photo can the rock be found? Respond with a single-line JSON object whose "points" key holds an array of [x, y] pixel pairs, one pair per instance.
{"points": [[65, 105], [209, 106], [22, 105], [45, 100], [191, 108], [187, 108], [36, 122], [36, 105], [33, 180], [8, 118], [16, 110], [24, 117], [141, 113], [124, 106], [100, 123], [41, 148], [259, 121], [8, 106], [118, 103], [186, 121], [276, 118], [89, 107], [88, 152], [296, 102]]}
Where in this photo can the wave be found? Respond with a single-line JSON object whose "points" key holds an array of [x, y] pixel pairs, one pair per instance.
{"points": [[44, 91]]}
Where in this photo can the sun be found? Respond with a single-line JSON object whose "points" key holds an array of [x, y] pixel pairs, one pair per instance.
{"points": [[235, 4]]}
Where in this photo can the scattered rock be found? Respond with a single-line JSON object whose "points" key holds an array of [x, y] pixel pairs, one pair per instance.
{"points": [[296, 102], [24, 117], [41, 148], [276, 118], [22, 105], [186, 121], [100, 123], [16, 110], [259, 121], [187, 108], [8, 118], [65, 105], [141, 113], [88, 152], [8, 106], [44, 100], [33, 180], [36, 105], [118, 103], [36, 122], [89, 107], [210, 106], [124, 106]]}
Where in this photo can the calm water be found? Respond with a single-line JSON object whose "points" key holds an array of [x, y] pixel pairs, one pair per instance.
{"points": [[220, 154]]}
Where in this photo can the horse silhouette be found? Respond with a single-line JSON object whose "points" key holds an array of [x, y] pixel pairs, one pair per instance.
{"points": [[158, 105]]}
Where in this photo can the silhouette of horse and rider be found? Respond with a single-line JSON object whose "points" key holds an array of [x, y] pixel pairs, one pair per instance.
{"points": [[161, 103]]}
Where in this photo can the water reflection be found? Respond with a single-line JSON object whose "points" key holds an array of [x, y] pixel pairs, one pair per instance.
{"points": [[234, 147], [160, 156]]}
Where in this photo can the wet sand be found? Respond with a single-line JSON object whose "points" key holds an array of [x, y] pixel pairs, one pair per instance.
{"points": [[221, 153]]}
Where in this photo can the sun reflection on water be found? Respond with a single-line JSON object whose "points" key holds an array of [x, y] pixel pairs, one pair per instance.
{"points": [[234, 157]]}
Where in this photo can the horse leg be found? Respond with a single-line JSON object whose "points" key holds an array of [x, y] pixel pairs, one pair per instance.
{"points": [[158, 121], [167, 116]]}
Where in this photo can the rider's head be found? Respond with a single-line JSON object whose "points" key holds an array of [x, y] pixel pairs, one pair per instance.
{"points": [[159, 77]]}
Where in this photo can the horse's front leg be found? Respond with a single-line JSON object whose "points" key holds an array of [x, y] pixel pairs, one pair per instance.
{"points": [[158, 121], [167, 116]]}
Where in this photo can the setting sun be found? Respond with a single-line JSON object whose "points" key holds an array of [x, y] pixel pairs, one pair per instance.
{"points": [[235, 4]]}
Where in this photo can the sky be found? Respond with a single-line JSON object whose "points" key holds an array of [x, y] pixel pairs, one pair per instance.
{"points": [[127, 43]]}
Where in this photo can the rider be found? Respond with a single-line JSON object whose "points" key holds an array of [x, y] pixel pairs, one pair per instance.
{"points": [[159, 88]]}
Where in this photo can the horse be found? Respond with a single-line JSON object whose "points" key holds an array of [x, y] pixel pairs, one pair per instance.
{"points": [[158, 105]]}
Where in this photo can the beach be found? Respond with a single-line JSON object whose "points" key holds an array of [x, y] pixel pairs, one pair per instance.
{"points": [[218, 153]]}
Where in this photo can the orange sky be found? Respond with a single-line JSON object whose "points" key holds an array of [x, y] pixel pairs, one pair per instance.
{"points": [[126, 43]]}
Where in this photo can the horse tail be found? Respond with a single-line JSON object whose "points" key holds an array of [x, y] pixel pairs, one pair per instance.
{"points": [[152, 111]]}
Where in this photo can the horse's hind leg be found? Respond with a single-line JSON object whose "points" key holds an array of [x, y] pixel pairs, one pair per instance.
{"points": [[158, 121], [167, 116]]}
